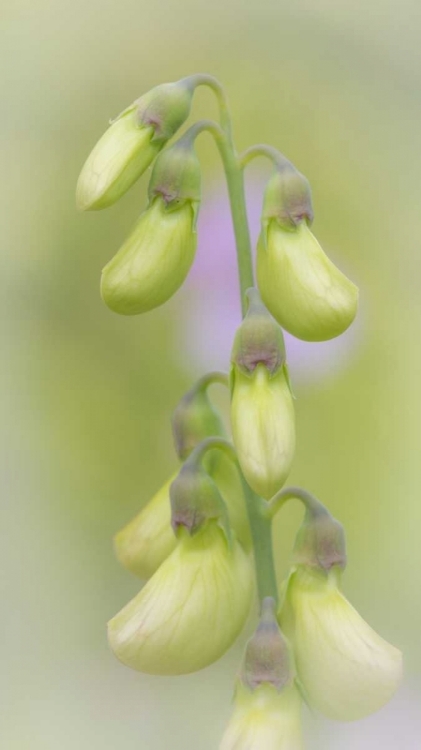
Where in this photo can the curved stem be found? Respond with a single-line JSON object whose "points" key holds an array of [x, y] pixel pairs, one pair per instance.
{"points": [[212, 443], [203, 79], [312, 505], [269, 152], [235, 182], [210, 378]]}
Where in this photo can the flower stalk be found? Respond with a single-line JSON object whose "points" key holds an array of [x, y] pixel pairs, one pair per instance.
{"points": [[192, 542]]}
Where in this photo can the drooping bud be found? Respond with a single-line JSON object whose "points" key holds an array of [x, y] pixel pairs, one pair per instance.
{"points": [[195, 418], [131, 143], [267, 703], [347, 670], [155, 260], [302, 288], [144, 543], [169, 628], [262, 412]]}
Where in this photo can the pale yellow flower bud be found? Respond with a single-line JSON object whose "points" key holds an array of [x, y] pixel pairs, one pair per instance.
{"points": [[153, 262], [123, 153], [301, 287], [148, 539], [191, 611], [263, 426], [347, 670], [264, 719], [131, 143]]}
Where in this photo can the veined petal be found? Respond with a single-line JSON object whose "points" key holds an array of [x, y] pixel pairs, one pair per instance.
{"points": [[119, 158], [191, 611], [306, 293], [144, 544], [153, 262], [348, 671], [263, 425]]}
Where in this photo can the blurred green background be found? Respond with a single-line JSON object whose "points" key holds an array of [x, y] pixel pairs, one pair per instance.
{"points": [[87, 395]]}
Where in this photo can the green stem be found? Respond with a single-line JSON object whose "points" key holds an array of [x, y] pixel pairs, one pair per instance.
{"points": [[312, 505], [203, 79], [210, 378], [261, 533], [260, 522], [269, 152], [235, 182]]}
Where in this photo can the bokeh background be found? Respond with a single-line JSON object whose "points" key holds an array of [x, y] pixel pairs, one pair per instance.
{"points": [[87, 395]]}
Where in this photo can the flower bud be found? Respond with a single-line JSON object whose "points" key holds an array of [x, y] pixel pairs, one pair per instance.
{"points": [[148, 539], [262, 412], [195, 500], [195, 418], [347, 670], [191, 611], [144, 543], [302, 288], [267, 704], [131, 143], [153, 262], [264, 719]]}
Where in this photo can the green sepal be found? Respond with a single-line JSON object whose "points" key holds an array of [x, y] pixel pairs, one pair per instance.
{"points": [[258, 340], [176, 177], [287, 198], [196, 500]]}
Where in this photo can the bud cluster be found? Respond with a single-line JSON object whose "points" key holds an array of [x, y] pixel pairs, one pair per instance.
{"points": [[196, 541]]}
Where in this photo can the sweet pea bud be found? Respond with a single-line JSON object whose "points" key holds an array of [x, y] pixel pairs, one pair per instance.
{"points": [[262, 412], [268, 658], [267, 704], [346, 669], [144, 543], [191, 611], [302, 288], [131, 143], [155, 260], [195, 500], [195, 418]]}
